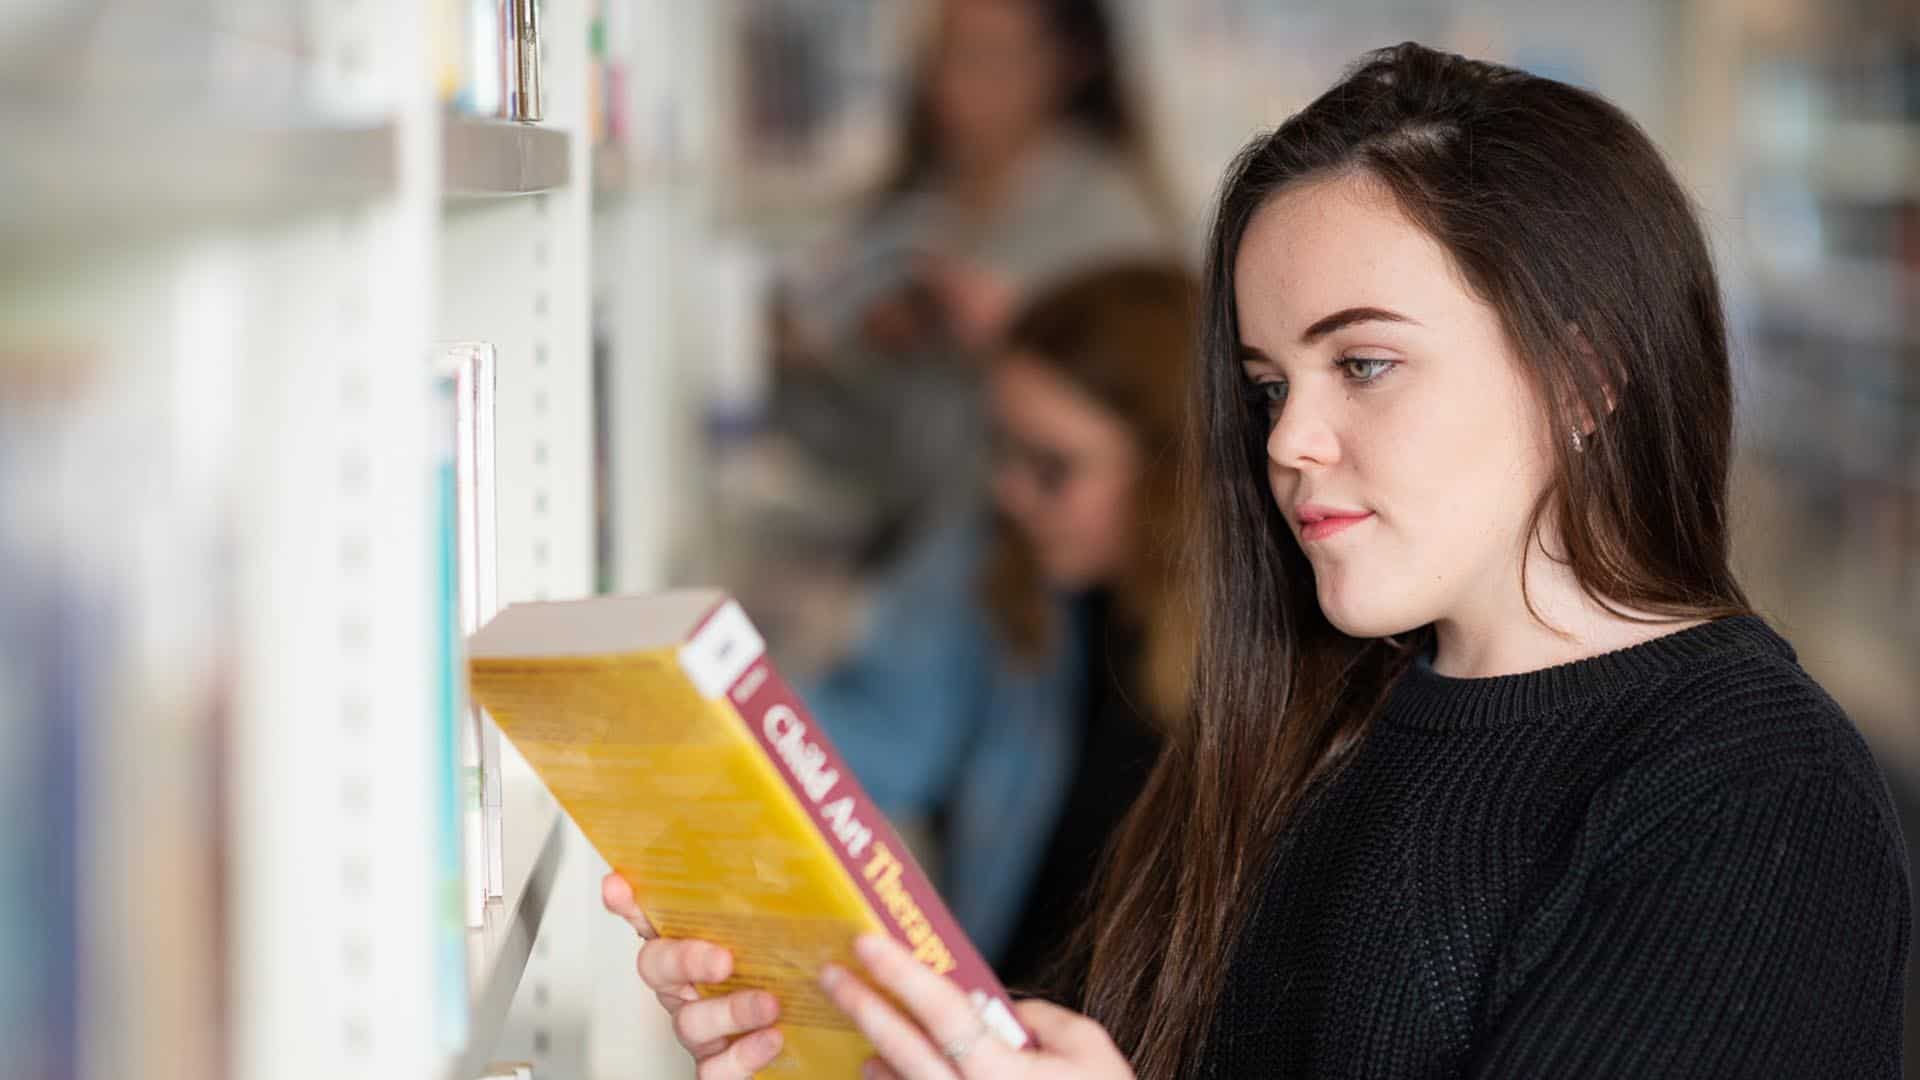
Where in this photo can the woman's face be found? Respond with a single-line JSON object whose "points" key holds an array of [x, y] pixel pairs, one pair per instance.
{"points": [[999, 77], [1406, 450], [1064, 472]]}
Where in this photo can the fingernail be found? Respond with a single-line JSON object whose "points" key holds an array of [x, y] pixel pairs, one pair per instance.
{"points": [[870, 1071], [764, 1009], [869, 946], [830, 976], [719, 964]]}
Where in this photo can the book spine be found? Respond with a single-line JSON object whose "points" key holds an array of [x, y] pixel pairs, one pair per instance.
{"points": [[725, 655], [458, 363], [450, 642], [471, 365], [487, 578]]}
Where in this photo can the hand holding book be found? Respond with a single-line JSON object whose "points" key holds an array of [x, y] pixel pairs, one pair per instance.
{"points": [[945, 1039], [689, 763], [732, 1037]]}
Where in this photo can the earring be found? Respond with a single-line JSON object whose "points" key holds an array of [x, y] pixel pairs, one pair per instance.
{"points": [[1578, 443]]}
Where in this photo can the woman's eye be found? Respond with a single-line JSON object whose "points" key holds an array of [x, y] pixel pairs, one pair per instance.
{"points": [[1267, 395], [1366, 368]]}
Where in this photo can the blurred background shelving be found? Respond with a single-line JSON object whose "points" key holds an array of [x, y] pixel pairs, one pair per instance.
{"points": [[1825, 156]]}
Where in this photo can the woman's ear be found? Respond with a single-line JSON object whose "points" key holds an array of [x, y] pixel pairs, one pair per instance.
{"points": [[1594, 371]]}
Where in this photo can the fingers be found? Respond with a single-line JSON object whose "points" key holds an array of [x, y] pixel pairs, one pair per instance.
{"points": [[617, 895], [939, 1006], [1062, 1030], [744, 1058], [669, 966], [698, 1023], [875, 1069], [672, 969], [895, 1037]]}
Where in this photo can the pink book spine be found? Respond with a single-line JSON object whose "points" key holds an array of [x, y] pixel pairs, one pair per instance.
{"points": [[868, 849]]}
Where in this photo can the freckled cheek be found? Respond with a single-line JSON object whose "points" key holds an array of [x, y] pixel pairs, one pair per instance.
{"points": [[1429, 471], [1402, 457], [1469, 472]]}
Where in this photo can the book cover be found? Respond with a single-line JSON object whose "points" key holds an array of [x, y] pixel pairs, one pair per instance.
{"points": [[662, 728]]}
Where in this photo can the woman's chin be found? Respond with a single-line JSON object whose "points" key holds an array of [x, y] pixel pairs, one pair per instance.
{"points": [[1068, 574], [1365, 616]]}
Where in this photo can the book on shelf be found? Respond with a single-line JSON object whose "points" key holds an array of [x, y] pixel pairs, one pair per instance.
{"points": [[454, 791], [467, 371], [661, 726]]}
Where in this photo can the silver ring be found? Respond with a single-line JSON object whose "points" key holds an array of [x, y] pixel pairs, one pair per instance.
{"points": [[956, 1049]]}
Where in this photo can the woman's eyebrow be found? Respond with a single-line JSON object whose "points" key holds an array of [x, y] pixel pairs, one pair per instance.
{"points": [[1340, 320]]}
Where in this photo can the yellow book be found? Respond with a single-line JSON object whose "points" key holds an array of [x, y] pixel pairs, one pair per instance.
{"points": [[661, 727]]}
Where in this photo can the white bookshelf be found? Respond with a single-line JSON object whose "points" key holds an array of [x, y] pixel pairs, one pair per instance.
{"points": [[497, 953], [653, 219], [651, 225], [511, 248], [334, 867], [494, 159], [72, 176], [261, 284]]}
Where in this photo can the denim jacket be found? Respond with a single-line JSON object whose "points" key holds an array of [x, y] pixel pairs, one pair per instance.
{"points": [[940, 722]]}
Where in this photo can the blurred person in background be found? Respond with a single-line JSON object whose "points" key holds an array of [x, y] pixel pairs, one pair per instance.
{"points": [[1023, 158], [1010, 686], [1489, 768]]}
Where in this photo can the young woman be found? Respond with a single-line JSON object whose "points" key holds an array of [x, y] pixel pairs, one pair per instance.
{"points": [[1490, 770]]}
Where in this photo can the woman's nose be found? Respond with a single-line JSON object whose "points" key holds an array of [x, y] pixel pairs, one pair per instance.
{"points": [[1303, 436]]}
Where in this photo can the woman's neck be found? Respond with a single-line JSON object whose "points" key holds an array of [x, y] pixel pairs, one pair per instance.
{"points": [[1498, 635]]}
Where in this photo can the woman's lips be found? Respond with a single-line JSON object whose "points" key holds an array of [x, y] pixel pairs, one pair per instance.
{"points": [[1328, 526]]}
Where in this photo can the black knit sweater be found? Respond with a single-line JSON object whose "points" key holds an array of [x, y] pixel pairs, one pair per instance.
{"points": [[1674, 860]]}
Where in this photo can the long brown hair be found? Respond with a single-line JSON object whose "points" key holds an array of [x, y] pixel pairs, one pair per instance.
{"points": [[1102, 105], [1123, 335], [1560, 214]]}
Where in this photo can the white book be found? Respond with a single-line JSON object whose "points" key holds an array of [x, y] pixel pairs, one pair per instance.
{"points": [[471, 365]]}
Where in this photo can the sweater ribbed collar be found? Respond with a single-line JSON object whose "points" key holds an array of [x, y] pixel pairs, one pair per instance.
{"points": [[1424, 698]]}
